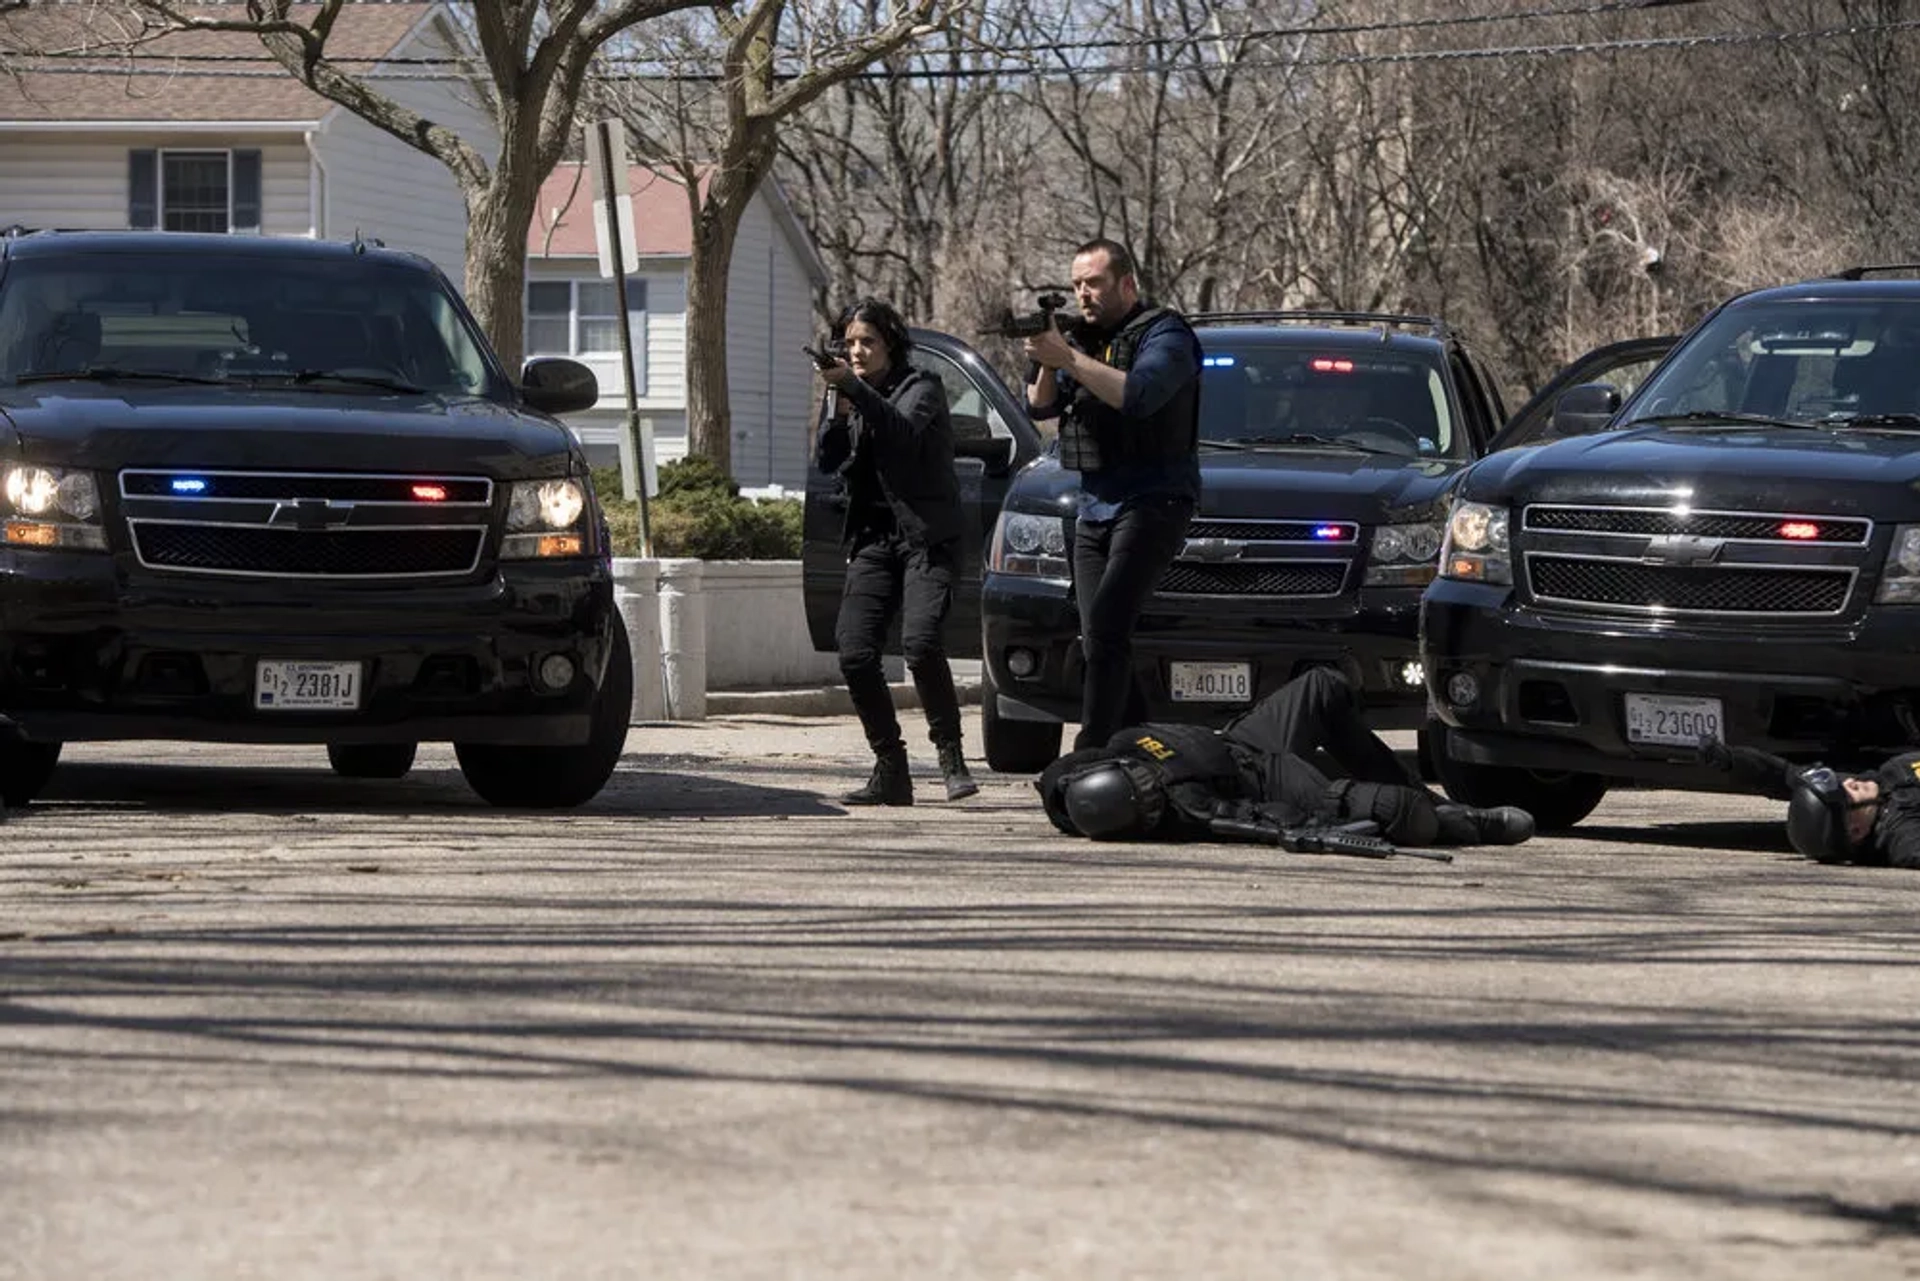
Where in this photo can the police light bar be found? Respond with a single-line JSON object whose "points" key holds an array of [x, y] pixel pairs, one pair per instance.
{"points": [[430, 493], [1328, 365], [1799, 529]]}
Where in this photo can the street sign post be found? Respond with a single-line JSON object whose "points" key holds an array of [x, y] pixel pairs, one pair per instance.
{"points": [[613, 235]]}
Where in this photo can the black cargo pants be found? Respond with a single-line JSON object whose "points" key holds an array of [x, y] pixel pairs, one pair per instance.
{"points": [[888, 576]]}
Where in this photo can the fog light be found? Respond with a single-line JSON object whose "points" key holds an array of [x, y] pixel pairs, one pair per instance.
{"points": [[556, 671], [1412, 675], [1462, 690], [1022, 662]]}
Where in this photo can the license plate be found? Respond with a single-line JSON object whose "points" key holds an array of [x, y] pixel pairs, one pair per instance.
{"points": [[1211, 682], [1672, 722], [283, 686]]}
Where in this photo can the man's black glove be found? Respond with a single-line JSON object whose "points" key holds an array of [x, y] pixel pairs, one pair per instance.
{"points": [[1715, 754]]}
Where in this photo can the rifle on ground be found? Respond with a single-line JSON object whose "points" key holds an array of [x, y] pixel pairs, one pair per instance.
{"points": [[1318, 840]]}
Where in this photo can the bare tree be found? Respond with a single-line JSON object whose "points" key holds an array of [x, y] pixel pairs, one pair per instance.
{"points": [[719, 140], [532, 60]]}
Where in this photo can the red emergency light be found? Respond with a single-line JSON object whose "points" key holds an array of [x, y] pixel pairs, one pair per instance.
{"points": [[1799, 529], [1327, 365], [430, 493]]}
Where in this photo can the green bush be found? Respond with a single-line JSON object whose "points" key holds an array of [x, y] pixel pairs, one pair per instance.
{"points": [[699, 512]]}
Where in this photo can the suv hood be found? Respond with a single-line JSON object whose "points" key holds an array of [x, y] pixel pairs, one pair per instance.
{"points": [[1280, 484], [1757, 468], [90, 425]]}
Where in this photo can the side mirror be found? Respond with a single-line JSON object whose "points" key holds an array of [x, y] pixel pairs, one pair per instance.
{"points": [[1585, 409], [997, 452], [556, 385]]}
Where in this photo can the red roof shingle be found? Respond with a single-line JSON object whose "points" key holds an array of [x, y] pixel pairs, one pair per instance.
{"points": [[101, 87], [662, 222]]}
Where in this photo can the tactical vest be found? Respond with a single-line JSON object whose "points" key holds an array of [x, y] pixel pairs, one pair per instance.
{"points": [[1190, 766], [1095, 436]]}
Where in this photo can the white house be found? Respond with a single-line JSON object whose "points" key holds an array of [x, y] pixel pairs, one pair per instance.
{"points": [[199, 132], [775, 274]]}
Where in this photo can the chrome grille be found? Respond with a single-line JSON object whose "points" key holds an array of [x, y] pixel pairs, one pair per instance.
{"points": [[334, 525], [1254, 578], [1739, 526], [1272, 531], [1601, 582]]}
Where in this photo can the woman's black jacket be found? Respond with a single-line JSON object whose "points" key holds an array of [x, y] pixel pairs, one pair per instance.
{"points": [[897, 440]]}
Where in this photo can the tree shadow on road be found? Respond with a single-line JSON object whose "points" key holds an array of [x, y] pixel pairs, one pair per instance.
{"points": [[1707, 834]]}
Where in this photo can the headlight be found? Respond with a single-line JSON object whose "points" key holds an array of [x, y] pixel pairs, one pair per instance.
{"points": [[1403, 555], [1475, 548], [1026, 544], [544, 520], [1900, 581], [52, 507]]}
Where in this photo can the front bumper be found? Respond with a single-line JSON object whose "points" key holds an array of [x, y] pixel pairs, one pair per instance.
{"points": [[91, 652], [1552, 687], [1373, 641]]}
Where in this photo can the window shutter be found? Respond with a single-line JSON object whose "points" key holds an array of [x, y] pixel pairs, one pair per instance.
{"points": [[143, 190], [246, 191]]}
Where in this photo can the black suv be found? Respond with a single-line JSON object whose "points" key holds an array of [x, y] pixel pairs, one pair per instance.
{"points": [[264, 490], [1329, 442], [1731, 550]]}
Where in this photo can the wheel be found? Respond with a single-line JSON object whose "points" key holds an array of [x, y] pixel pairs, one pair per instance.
{"points": [[24, 769], [371, 760], [1425, 745], [1557, 800], [1014, 747], [559, 777]]}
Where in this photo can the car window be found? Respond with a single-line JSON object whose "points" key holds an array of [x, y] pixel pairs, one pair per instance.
{"points": [[1796, 359], [974, 418], [1386, 398], [243, 318], [1624, 378]]}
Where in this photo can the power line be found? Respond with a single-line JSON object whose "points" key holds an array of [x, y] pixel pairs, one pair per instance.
{"points": [[1564, 49], [1595, 9]]}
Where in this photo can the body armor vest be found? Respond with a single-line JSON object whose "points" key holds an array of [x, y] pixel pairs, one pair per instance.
{"points": [[1095, 436]]}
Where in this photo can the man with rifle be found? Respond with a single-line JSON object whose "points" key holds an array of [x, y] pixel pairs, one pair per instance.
{"points": [[1252, 781]]}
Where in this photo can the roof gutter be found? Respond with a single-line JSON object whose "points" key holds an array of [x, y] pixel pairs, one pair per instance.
{"points": [[157, 126]]}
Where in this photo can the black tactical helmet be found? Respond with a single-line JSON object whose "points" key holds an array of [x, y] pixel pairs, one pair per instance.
{"points": [[1104, 803], [1817, 816]]}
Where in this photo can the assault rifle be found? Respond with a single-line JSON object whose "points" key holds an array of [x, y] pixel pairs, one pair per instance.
{"points": [[1318, 840], [1009, 325]]}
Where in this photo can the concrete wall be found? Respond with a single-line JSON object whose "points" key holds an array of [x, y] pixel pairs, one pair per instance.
{"points": [[757, 628]]}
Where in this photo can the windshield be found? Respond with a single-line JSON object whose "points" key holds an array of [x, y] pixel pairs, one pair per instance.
{"points": [[1376, 399], [246, 318], [1800, 360]]}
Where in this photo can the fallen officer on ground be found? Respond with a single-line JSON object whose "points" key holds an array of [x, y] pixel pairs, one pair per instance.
{"points": [[1252, 781], [1869, 819]]}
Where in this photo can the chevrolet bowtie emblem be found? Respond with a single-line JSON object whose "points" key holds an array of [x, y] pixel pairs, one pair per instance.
{"points": [[311, 513], [1212, 549], [1682, 549]]}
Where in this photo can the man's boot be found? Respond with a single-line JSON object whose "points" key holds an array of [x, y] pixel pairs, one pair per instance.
{"points": [[953, 768], [1504, 825], [890, 784]]}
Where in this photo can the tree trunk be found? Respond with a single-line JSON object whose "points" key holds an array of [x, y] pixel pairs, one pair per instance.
{"points": [[709, 413], [497, 224]]}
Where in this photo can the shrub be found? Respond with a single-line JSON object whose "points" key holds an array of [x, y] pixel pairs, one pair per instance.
{"points": [[699, 512]]}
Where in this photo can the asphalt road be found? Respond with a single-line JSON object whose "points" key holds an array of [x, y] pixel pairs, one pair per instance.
{"points": [[256, 1021]]}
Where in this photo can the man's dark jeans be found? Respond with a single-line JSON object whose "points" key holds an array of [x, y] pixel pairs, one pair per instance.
{"points": [[886, 576], [1116, 565]]}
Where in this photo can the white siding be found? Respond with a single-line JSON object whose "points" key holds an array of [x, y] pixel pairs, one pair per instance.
{"points": [[382, 188], [79, 180], [769, 317]]}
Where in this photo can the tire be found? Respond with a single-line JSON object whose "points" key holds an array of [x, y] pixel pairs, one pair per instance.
{"points": [[371, 760], [1013, 747], [1556, 799], [24, 769], [559, 777]]}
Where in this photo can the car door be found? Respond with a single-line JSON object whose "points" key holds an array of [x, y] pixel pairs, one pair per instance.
{"points": [[993, 439], [1625, 365]]}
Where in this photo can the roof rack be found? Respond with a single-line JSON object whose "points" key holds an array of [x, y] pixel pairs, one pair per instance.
{"points": [[13, 230], [1384, 321], [1860, 273]]}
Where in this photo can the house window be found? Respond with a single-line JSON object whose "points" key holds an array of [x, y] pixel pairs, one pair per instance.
{"points": [[582, 318], [217, 191]]}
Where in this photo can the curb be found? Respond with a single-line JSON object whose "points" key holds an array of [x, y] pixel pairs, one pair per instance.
{"points": [[822, 700]]}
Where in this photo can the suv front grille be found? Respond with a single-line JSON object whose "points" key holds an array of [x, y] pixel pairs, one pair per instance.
{"points": [[336, 525], [1718, 589], [1739, 526], [1275, 531], [325, 553], [1254, 578]]}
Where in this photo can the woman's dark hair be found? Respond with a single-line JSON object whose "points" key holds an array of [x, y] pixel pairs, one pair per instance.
{"points": [[885, 321]]}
